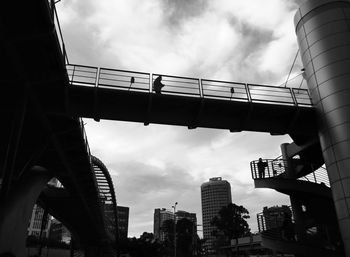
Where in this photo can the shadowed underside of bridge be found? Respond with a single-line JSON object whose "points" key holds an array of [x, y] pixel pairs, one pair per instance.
{"points": [[114, 104]]}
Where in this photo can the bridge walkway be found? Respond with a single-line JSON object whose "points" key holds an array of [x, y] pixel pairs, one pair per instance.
{"points": [[103, 93]]}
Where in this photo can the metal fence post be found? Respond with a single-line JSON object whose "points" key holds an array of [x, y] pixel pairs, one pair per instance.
{"points": [[248, 93], [200, 83], [293, 96], [150, 82], [97, 77]]}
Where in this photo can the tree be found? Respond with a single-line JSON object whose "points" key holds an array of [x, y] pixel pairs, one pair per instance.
{"points": [[231, 223], [145, 246], [186, 237]]}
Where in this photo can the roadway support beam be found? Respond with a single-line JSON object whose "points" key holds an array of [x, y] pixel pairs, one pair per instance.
{"points": [[17, 208], [323, 32]]}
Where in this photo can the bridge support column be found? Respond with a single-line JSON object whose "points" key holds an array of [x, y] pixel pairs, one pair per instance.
{"points": [[323, 31], [296, 204], [16, 210]]}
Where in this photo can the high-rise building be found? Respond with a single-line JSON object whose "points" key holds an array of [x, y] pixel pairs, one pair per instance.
{"points": [[161, 215], [39, 220], [186, 215], [215, 194], [122, 218], [123, 221]]}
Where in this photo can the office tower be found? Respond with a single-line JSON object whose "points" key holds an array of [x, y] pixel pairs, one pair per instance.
{"points": [[122, 218], [123, 221], [161, 215], [186, 215], [39, 220], [215, 194]]}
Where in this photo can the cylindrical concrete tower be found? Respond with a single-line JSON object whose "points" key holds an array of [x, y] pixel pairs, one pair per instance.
{"points": [[215, 194], [323, 31]]}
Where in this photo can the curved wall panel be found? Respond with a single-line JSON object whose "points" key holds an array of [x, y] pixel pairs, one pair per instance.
{"points": [[323, 31]]}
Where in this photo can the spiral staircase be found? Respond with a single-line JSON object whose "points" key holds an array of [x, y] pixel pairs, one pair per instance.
{"points": [[308, 227]]}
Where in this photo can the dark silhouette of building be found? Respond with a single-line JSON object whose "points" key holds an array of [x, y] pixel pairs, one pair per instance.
{"points": [[161, 215], [58, 232], [123, 221]]}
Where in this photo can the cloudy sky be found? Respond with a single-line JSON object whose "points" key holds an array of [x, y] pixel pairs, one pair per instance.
{"points": [[234, 40]]}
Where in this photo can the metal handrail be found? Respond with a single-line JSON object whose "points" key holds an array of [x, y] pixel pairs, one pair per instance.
{"points": [[273, 168], [194, 87], [281, 226], [107, 197], [274, 219], [177, 85], [277, 167], [57, 26]]}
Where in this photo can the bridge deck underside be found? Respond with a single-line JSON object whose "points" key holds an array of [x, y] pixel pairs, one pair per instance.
{"points": [[113, 104]]}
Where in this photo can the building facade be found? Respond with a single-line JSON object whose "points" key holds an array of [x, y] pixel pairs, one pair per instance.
{"points": [[161, 215], [123, 221], [186, 215], [39, 220], [215, 194]]}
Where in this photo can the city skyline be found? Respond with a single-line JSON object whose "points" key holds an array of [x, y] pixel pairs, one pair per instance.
{"points": [[244, 41]]}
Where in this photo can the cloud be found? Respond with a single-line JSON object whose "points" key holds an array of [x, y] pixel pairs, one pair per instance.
{"points": [[178, 12]]}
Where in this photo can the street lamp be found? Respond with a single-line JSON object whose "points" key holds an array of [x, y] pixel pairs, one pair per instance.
{"points": [[174, 208]]}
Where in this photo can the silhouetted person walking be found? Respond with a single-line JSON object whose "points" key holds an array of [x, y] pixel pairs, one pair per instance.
{"points": [[261, 168], [158, 85]]}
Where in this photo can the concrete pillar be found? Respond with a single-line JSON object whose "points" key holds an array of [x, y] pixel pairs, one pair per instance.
{"points": [[16, 210], [323, 31]]}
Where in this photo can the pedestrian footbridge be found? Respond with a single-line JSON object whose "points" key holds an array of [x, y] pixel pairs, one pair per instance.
{"points": [[103, 93]]}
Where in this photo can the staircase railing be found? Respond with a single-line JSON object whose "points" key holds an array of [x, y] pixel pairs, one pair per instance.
{"points": [[275, 221], [127, 80], [105, 188], [107, 197], [277, 168], [279, 224]]}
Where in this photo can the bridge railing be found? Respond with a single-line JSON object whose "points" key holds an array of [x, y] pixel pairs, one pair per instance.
{"points": [[225, 90], [175, 85], [82, 75], [124, 80], [193, 87]]}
